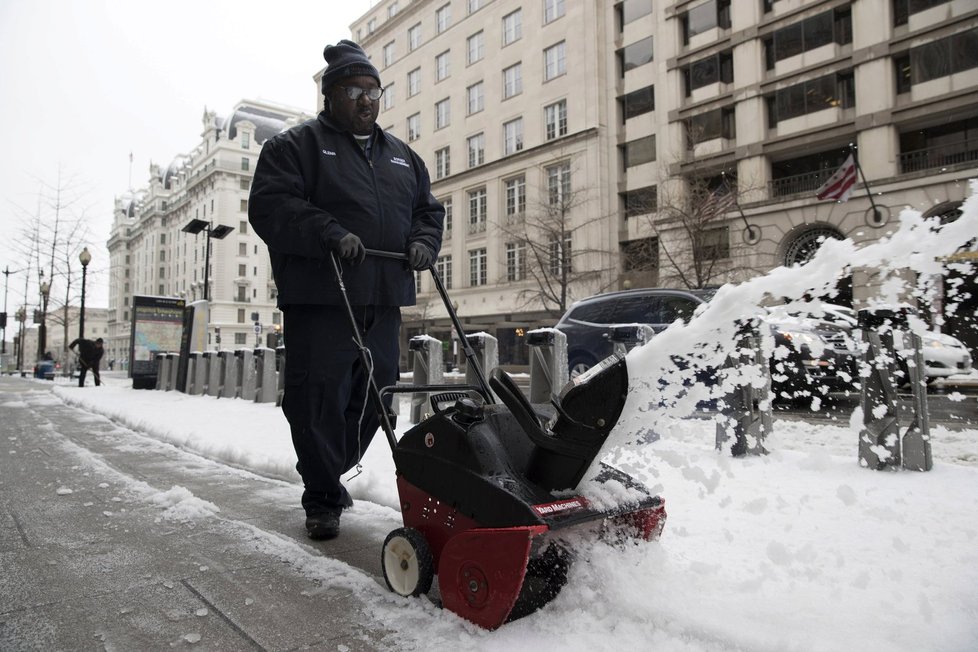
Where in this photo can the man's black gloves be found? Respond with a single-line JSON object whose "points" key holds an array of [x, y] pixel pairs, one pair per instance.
{"points": [[419, 257], [350, 248]]}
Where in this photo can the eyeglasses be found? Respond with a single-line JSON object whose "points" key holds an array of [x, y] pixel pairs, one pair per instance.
{"points": [[354, 92]]}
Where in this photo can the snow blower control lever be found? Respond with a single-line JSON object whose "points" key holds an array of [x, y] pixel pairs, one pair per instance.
{"points": [[489, 492]]}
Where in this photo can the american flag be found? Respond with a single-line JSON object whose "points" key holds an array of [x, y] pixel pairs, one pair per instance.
{"points": [[718, 203], [839, 186]]}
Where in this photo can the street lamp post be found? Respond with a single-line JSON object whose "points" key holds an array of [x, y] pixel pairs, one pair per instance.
{"points": [[42, 330], [84, 258], [218, 232], [3, 320], [21, 317]]}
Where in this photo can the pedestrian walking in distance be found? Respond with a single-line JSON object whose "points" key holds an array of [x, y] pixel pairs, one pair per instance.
{"points": [[89, 356], [339, 184]]}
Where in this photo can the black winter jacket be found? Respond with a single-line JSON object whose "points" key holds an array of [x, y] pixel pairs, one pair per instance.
{"points": [[314, 184]]}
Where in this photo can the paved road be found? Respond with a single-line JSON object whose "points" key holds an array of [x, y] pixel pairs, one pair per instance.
{"points": [[99, 550]]}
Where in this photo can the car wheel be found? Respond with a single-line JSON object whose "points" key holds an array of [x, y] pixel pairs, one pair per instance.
{"points": [[579, 363]]}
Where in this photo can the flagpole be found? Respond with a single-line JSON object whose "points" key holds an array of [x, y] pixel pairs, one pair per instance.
{"points": [[877, 216], [748, 227]]}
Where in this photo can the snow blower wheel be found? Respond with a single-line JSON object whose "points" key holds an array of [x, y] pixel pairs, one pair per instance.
{"points": [[408, 567]]}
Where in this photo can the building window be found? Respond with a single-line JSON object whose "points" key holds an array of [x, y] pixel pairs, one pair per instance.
{"points": [[392, 9], [512, 27], [389, 54], [476, 98], [902, 9], [640, 201], [478, 270], [640, 255], [558, 183], [632, 56], [513, 136], [512, 81], [245, 163], [242, 248], [417, 282], [443, 18], [710, 70], [552, 10], [560, 256], [476, 47], [515, 190], [477, 150], [443, 115], [243, 184], [442, 65], [515, 261], [711, 244], [826, 92], [703, 17], [554, 62], [241, 338], [388, 96], [637, 102], [447, 204], [940, 58], [718, 123], [414, 127], [414, 82], [243, 226], [241, 315], [245, 141], [371, 25], [243, 207], [443, 162], [639, 151], [242, 270], [474, 6], [478, 210], [631, 10], [555, 118], [821, 29], [414, 37], [443, 266]]}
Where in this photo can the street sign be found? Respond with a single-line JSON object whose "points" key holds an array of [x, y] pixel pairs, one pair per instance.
{"points": [[257, 329]]}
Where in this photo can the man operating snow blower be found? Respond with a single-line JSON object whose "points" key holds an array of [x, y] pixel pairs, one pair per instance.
{"points": [[340, 184], [89, 356]]}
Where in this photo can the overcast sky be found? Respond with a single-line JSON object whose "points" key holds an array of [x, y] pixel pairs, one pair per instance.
{"points": [[86, 82]]}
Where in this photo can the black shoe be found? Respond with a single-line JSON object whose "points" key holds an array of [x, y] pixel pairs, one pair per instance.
{"points": [[324, 525]]}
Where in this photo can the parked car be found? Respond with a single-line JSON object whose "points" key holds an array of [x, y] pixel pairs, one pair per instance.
{"points": [[944, 355], [809, 357]]}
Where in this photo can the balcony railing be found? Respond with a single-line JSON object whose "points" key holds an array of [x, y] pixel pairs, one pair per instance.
{"points": [[799, 183], [939, 156]]}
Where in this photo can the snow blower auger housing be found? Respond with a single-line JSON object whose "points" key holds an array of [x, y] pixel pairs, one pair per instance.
{"points": [[487, 489]]}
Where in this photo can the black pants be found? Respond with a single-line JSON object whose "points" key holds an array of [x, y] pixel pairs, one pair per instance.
{"points": [[83, 369], [331, 417]]}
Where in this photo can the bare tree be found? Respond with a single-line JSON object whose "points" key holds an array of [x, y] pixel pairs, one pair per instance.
{"points": [[546, 243]]}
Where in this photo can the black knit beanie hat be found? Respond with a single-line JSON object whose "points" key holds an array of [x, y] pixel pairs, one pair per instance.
{"points": [[346, 59]]}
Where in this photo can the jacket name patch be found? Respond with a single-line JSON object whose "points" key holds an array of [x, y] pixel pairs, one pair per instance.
{"points": [[397, 160], [329, 152]]}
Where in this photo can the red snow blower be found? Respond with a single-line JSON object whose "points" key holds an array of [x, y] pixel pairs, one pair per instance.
{"points": [[487, 490]]}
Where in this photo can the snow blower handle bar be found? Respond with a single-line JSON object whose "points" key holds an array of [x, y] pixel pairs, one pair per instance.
{"points": [[466, 346]]}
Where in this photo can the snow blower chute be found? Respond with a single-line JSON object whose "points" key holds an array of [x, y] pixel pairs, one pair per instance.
{"points": [[487, 489]]}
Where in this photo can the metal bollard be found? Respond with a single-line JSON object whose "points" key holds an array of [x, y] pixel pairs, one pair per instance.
{"points": [[428, 369], [199, 382], [214, 372], [162, 370], [486, 348], [747, 408], [245, 382], [548, 363], [879, 438], [916, 440], [625, 337], [266, 387], [229, 374], [173, 364]]}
